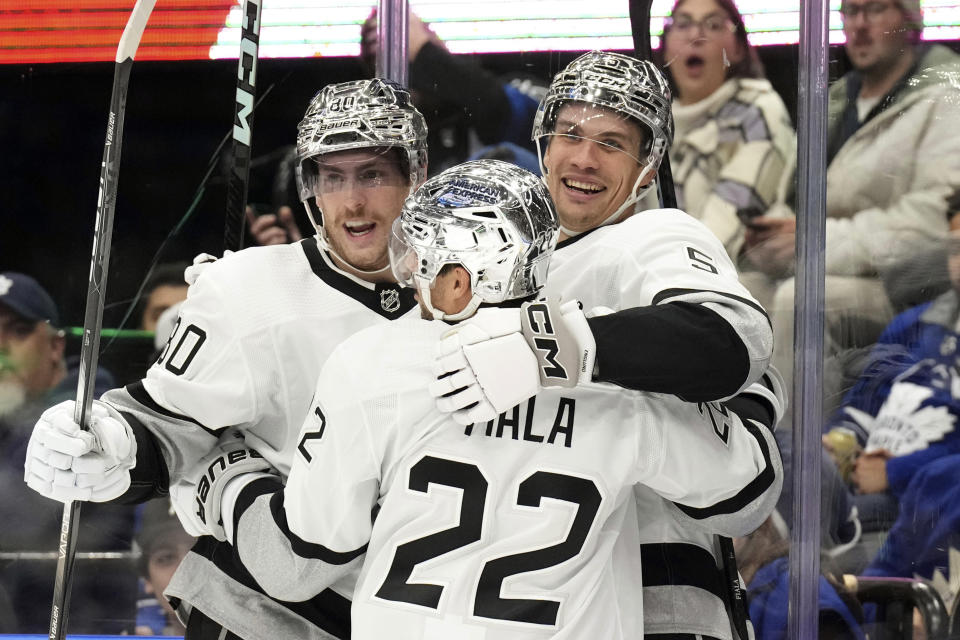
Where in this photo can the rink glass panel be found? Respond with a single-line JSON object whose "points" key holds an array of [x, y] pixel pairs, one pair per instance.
{"points": [[154, 194]]}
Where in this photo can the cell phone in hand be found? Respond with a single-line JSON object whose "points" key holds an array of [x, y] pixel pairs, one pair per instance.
{"points": [[260, 209], [748, 216]]}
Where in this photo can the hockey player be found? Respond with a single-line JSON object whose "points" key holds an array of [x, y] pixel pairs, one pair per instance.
{"points": [[602, 129], [246, 352], [518, 528], [264, 322]]}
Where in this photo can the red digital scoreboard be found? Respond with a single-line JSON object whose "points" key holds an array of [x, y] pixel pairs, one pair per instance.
{"points": [[36, 31]]}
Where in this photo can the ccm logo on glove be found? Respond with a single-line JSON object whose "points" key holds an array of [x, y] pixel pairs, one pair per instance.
{"points": [[545, 340]]}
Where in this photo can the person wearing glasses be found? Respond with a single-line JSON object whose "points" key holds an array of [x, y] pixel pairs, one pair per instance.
{"points": [[733, 135], [893, 154]]}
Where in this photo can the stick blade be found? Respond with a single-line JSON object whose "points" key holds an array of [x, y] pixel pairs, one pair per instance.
{"points": [[133, 32]]}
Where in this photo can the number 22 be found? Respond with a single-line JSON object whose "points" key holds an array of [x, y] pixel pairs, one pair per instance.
{"points": [[488, 603]]}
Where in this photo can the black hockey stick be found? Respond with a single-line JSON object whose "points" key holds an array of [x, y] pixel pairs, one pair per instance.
{"points": [[93, 316], [640, 27], [238, 180]]}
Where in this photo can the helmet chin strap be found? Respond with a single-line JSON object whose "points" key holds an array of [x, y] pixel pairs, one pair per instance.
{"points": [[423, 288], [325, 245], [324, 242], [637, 192]]}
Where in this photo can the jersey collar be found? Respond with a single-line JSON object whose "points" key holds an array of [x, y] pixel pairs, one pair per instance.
{"points": [[385, 298]]}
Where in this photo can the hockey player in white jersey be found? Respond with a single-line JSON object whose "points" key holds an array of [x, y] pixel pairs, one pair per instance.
{"points": [[520, 528], [247, 349], [245, 355], [686, 323]]}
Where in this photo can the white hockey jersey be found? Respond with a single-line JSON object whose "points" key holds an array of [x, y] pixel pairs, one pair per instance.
{"points": [[251, 339], [652, 258], [519, 528]]}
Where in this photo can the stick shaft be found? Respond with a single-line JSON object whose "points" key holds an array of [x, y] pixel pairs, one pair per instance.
{"points": [[238, 180], [640, 26], [93, 317]]}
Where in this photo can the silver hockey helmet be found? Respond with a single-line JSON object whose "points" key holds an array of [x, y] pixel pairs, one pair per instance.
{"points": [[360, 114], [493, 218], [630, 87]]}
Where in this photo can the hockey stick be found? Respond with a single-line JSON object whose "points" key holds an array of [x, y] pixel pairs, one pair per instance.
{"points": [[238, 180], [93, 316], [640, 27]]}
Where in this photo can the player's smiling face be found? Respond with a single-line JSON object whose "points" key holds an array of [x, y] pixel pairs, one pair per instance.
{"points": [[591, 162], [360, 194]]}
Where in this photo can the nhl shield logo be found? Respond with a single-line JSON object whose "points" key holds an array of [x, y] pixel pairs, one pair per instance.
{"points": [[389, 300]]}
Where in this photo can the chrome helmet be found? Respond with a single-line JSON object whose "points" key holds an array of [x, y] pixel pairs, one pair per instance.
{"points": [[491, 217], [361, 114]]}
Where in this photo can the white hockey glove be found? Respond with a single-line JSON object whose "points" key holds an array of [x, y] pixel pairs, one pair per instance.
{"points": [[771, 388], [230, 459], [500, 357], [200, 264], [66, 463]]}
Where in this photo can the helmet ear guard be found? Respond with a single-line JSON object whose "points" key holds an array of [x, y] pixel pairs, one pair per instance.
{"points": [[490, 217]]}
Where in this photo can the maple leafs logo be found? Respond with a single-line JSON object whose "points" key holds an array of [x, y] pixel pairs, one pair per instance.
{"points": [[901, 426]]}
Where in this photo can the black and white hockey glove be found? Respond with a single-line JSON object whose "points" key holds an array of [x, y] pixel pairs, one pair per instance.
{"points": [[212, 509], [769, 392], [500, 357]]}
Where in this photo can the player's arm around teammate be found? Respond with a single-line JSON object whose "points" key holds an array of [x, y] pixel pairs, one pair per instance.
{"points": [[296, 539], [684, 323]]}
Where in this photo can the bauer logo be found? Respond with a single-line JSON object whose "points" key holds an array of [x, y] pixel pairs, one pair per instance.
{"points": [[341, 124]]}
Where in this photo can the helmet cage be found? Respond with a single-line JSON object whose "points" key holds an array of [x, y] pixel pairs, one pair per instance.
{"points": [[629, 87]]}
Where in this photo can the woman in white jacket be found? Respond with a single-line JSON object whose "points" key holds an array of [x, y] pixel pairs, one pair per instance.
{"points": [[733, 134]]}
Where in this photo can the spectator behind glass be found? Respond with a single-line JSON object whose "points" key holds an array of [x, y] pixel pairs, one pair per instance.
{"points": [[733, 135], [34, 376], [762, 559], [31, 347], [470, 114], [904, 412], [463, 104], [164, 288], [894, 157], [163, 544]]}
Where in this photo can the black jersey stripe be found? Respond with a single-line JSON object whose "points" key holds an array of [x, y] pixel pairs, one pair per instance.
{"points": [[141, 395], [328, 610], [150, 477], [401, 299], [251, 492], [306, 549], [668, 564], [754, 489], [673, 293]]}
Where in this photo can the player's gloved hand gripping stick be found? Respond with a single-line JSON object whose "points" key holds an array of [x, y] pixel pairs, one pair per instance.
{"points": [[109, 449]]}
